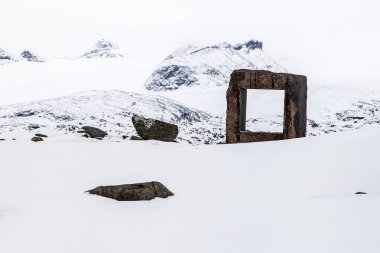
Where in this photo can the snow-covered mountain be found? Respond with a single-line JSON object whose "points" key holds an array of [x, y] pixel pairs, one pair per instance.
{"points": [[31, 56], [6, 57], [209, 66], [104, 49]]}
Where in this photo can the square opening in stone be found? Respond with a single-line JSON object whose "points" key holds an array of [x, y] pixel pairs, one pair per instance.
{"points": [[265, 111]]}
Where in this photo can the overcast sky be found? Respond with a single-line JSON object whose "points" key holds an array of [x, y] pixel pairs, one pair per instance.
{"points": [[326, 40]]}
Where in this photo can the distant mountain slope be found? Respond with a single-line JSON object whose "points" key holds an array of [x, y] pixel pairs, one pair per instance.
{"points": [[5, 57], [104, 49], [112, 112], [209, 66], [109, 110]]}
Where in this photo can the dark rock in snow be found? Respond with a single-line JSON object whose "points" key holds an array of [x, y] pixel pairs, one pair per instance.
{"points": [[136, 138], [133, 192], [94, 132], [37, 139], [151, 129], [41, 135]]}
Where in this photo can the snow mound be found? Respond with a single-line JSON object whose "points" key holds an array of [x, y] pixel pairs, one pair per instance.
{"points": [[104, 49], [108, 110], [31, 56], [209, 66], [5, 57]]}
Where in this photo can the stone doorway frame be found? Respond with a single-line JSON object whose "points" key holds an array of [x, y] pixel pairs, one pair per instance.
{"points": [[295, 104]]}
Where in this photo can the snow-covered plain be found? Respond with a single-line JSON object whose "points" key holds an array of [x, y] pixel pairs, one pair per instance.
{"points": [[285, 196]]}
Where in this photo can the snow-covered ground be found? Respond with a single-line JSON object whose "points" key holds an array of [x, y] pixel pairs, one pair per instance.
{"points": [[286, 196]]}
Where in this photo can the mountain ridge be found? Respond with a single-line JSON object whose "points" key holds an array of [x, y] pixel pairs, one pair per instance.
{"points": [[209, 66]]}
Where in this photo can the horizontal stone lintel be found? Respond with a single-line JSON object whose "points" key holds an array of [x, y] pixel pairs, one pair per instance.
{"points": [[247, 136], [262, 79]]}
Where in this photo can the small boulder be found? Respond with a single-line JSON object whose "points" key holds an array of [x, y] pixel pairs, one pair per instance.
{"points": [[152, 129], [94, 132], [133, 192], [37, 139]]}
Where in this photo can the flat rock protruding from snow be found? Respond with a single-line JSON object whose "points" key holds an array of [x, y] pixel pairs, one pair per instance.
{"points": [[104, 49], [209, 66], [133, 192]]}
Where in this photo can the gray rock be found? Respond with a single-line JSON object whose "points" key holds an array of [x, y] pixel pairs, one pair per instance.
{"points": [[94, 132], [151, 129], [133, 192]]}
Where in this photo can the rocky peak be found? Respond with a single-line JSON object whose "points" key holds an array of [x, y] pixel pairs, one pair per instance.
{"points": [[209, 65], [105, 44], [251, 44], [104, 49], [29, 56], [5, 55]]}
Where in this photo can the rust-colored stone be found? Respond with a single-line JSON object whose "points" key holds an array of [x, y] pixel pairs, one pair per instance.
{"points": [[295, 106]]}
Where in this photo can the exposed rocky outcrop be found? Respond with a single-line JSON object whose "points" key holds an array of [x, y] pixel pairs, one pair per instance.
{"points": [[152, 129], [133, 192], [5, 57], [30, 56], [104, 49]]}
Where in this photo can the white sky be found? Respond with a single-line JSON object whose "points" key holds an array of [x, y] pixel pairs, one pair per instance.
{"points": [[326, 40]]}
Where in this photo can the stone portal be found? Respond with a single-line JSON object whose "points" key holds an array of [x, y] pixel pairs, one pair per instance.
{"points": [[295, 106]]}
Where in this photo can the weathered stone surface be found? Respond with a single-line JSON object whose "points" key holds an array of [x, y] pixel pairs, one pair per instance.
{"points": [[94, 132], [133, 192], [151, 129], [295, 108], [37, 139]]}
